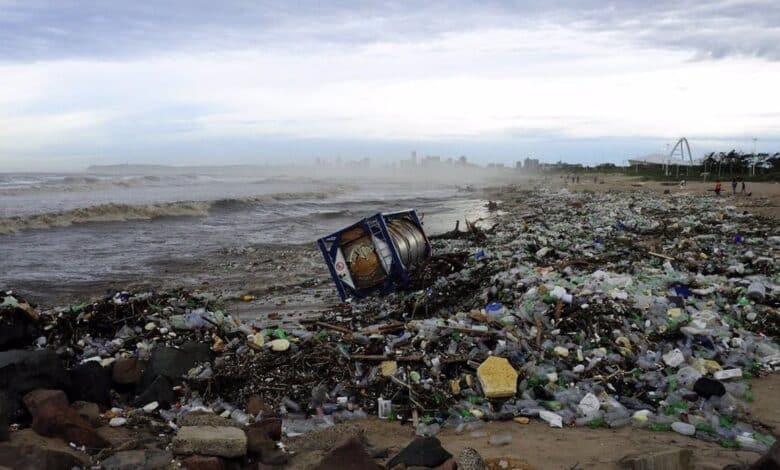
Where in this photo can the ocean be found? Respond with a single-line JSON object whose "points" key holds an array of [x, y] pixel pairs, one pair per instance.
{"points": [[64, 233]]}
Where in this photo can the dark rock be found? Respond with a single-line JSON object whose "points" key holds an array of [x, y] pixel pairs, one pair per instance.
{"points": [[258, 441], [257, 406], [274, 458], [119, 438], [271, 426], [53, 417], [91, 382], [32, 456], [160, 390], [127, 371], [17, 329], [770, 460], [202, 462], [451, 464], [4, 408], [707, 387], [172, 363], [423, 451], [349, 455], [87, 410], [24, 371], [149, 459]]}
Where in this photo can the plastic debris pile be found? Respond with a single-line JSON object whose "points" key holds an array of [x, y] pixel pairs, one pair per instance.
{"points": [[577, 309]]}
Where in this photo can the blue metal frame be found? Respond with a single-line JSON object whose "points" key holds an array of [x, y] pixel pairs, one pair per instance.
{"points": [[376, 225]]}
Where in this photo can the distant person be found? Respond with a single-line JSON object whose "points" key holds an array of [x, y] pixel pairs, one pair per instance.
{"points": [[743, 184], [682, 184], [734, 186], [717, 187], [578, 179]]}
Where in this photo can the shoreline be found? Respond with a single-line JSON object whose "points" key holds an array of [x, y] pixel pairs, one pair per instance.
{"points": [[277, 300]]}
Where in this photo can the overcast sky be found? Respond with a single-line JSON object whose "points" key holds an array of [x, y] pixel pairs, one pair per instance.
{"points": [[189, 82]]}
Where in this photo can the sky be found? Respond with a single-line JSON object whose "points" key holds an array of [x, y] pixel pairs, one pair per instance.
{"points": [[235, 82]]}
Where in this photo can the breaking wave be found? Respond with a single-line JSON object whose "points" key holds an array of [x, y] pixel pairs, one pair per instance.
{"points": [[115, 212]]}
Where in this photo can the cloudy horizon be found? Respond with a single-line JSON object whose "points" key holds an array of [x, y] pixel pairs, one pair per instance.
{"points": [[183, 82]]}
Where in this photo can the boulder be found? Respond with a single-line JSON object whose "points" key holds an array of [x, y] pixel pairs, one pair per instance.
{"points": [[326, 438], [17, 328], [172, 363], [87, 410], [127, 371], [118, 438], [422, 452], [348, 455], [31, 456], [27, 449], [202, 462], [258, 442], [53, 417], [271, 426], [256, 405], [160, 390], [24, 371], [149, 459], [221, 441], [91, 382]]}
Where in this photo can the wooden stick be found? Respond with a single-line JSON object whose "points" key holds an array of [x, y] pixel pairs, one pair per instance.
{"points": [[334, 327], [661, 256]]}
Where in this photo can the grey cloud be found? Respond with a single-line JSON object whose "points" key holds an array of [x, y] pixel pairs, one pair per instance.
{"points": [[37, 29]]}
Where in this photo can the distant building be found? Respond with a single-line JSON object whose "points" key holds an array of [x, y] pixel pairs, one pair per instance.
{"points": [[531, 165]]}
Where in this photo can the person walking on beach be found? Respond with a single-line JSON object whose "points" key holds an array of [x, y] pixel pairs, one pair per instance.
{"points": [[734, 186], [743, 184], [717, 187]]}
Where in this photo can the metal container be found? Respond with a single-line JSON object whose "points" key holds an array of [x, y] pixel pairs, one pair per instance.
{"points": [[375, 253]]}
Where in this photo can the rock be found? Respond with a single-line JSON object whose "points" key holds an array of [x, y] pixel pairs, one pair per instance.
{"points": [[327, 438], [271, 426], [671, 459], [423, 451], [221, 441], [19, 453], [24, 371], [770, 460], [91, 382], [469, 459], [127, 371], [256, 406], [348, 455], [88, 411], [202, 462], [258, 441], [118, 438], [497, 378], [17, 328], [204, 418], [34, 457], [172, 363], [275, 458], [4, 408], [53, 417], [707, 387], [521, 419], [450, 464], [160, 390], [149, 459]]}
